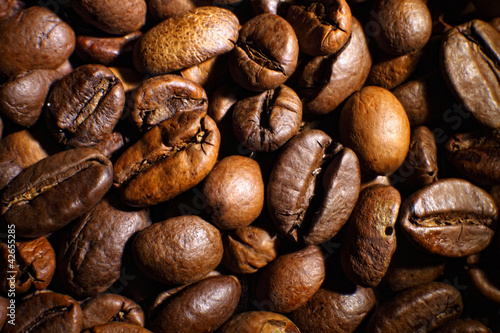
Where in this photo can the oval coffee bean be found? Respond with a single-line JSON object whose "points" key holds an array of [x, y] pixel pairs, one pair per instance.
{"points": [[422, 308], [161, 97], [470, 65], [34, 38], [370, 238], [47, 312], [464, 326], [85, 106], [90, 256], [201, 307], [116, 328], [169, 159], [450, 217], [266, 121], [415, 96], [292, 279], [259, 321], [178, 250], [55, 191], [186, 40]]}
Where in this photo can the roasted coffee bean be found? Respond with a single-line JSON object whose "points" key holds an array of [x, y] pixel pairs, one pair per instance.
{"points": [[105, 50], [47, 312], [327, 81], [259, 321], [34, 38], [4, 303], [464, 326], [304, 205], [234, 192], [374, 124], [248, 249], [116, 328], [476, 156], [370, 238], [90, 257], [163, 9], [85, 106], [266, 53], [470, 65], [178, 250], [23, 96], [186, 40], [33, 263], [322, 27], [483, 273], [56, 190], [129, 16], [292, 279], [10, 8], [422, 308], [269, 6], [129, 77], [415, 96], [18, 151], [169, 159], [266, 121], [380, 180], [208, 74], [107, 308], [450, 217], [161, 97], [405, 26], [201, 307], [110, 144]]}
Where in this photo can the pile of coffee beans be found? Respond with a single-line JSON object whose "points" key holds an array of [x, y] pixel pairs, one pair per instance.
{"points": [[241, 166]]}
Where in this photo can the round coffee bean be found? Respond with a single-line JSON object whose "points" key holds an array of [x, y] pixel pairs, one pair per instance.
{"points": [[259, 321]]}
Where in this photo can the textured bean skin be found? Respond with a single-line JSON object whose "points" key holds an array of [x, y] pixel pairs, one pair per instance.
{"points": [[116, 328], [259, 321]]}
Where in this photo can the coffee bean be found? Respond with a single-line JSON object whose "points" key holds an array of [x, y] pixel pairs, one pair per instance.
{"points": [[116, 328], [464, 326], [415, 96], [161, 10], [483, 273], [259, 321]]}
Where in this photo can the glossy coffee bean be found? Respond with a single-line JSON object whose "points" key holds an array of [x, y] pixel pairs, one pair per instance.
{"points": [[370, 238], [178, 250], [90, 257], [201, 307], [34, 38], [483, 273], [266, 121], [33, 264], [163, 9], [55, 191], [161, 97], [468, 52], [301, 208], [116, 328], [259, 321], [186, 40], [450, 217], [85, 106], [266, 53], [169, 159], [425, 308], [291, 280], [209, 74], [415, 96], [464, 326]]}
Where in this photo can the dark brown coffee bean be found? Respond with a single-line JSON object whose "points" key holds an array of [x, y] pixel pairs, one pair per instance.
{"points": [[169, 159], [23, 96], [47, 312], [450, 217], [105, 50], [464, 326], [327, 81], [186, 40], [415, 97], [292, 279], [483, 273], [269, 6], [302, 207], [178, 250], [107, 308], [56, 190], [110, 144], [208, 74], [476, 156], [35, 38], [370, 238], [4, 303], [116, 328], [234, 192], [422, 308], [85, 106], [405, 26], [380, 180], [90, 256], [105, 15], [33, 263], [374, 124], [163, 9], [469, 60], [266, 53], [18, 151], [259, 321], [201, 307], [10, 8], [161, 97], [266, 121], [249, 248], [129, 77], [322, 27]]}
